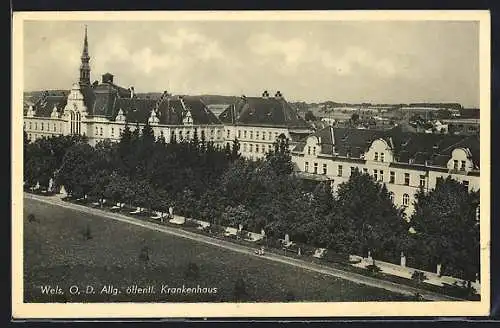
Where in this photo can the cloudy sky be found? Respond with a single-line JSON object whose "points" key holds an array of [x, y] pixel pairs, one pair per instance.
{"points": [[378, 62]]}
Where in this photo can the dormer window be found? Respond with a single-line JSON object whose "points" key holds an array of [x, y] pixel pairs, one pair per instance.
{"points": [[455, 165], [376, 156], [382, 157], [462, 165]]}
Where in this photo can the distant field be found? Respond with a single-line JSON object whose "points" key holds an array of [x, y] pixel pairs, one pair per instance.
{"points": [[56, 252]]}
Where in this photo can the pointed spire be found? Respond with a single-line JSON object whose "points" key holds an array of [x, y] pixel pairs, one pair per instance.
{"points": [[85, 58], [85, 52]]}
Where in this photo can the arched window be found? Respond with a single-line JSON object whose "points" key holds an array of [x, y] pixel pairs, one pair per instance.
{"points": [[406, 200], [78, 123], [72, 122]]}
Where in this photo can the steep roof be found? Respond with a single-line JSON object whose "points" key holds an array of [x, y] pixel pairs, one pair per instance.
{"points": [[267, 111], [408, 147], [171, 110], [106, 99], [44, 105]]}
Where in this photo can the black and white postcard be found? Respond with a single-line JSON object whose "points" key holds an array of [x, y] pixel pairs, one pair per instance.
{"points": [[250, 164]]}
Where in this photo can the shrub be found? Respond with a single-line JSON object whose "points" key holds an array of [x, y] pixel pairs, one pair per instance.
{"points": [[373, 269], [331, 256], [216, 229], [460, 291], [418, 276], [87, 234], [190, 224], [32, 218]]}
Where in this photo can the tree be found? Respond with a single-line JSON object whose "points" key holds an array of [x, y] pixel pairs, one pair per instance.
{"points": [[26, 140], [355, 118], [418, 276], [77, 169], [235, 150], [377, 227], [323, 201], [234, 216], [447, 231], [119, 189], [280, 158], [99, 181], [309, 116]]}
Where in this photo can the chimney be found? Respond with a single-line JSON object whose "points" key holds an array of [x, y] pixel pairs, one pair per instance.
{"points": [[107, 78], [132, 92]]}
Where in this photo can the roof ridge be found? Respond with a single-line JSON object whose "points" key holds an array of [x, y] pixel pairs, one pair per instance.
{"points": [[456, 143]]}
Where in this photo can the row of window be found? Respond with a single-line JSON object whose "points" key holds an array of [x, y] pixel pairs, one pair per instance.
{"points": [[378, 158], [43, 126], [455, 165], [258, 148], [100, 132], [315, 168], [378, 175], [406, 198], [309, 150], [259, 135]]}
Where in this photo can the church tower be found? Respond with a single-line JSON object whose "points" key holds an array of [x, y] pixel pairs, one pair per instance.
{"points": [[85, 66]]}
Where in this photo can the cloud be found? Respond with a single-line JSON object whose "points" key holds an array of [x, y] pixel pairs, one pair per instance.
{"points": [[295, 52], [195, 44], [379, 62], [177, 50], [292, 51]]}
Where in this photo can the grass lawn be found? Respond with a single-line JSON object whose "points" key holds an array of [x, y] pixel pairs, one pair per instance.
{"points": [[57, 252]]}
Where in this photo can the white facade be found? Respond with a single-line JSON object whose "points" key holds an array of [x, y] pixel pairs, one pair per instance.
{"points": [[255, 141], [403, 180]]}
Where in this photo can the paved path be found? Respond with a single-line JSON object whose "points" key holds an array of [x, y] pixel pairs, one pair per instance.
{"points": [[327, 270]]}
